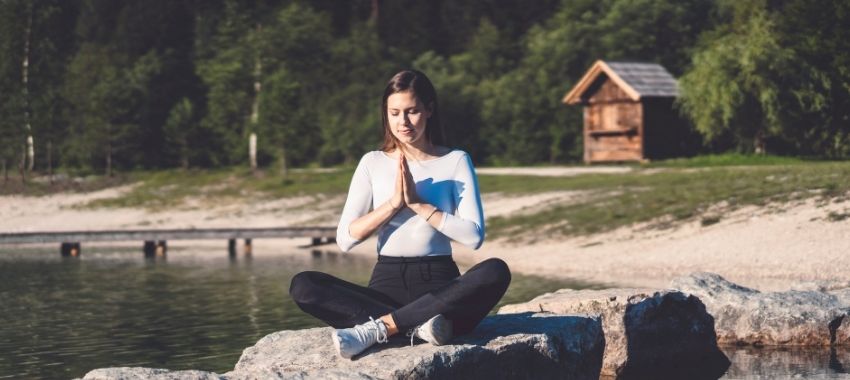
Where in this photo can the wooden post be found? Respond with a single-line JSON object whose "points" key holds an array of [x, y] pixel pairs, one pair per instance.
{"points": [[150, 249], [248, 246], [231, 247], [70, 249]]}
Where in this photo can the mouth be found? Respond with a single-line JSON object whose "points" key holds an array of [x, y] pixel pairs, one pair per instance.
{"points": [[406, 132]]}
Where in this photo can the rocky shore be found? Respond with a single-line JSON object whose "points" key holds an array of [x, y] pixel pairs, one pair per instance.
{"points": [[619, 333]]}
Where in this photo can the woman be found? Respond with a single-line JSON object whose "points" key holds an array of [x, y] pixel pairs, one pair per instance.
{"points": [[417, 195]]}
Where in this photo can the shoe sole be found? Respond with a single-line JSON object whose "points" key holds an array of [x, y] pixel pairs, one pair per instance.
{"points": [[335, 339], [441, 330]]}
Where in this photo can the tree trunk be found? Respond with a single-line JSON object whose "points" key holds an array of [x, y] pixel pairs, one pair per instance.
{"points": [[284, 169], [184, 154], [50, 161], [252, 151], [375, 11], [759, 143], [22, 165], [109, 159], [255, 103], [30, 150]]}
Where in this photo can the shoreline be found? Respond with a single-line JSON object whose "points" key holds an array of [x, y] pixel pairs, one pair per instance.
{"points": [[773, 247]]}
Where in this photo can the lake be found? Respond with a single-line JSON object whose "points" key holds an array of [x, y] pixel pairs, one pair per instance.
{"points": [[62, 317], [198, 309]]}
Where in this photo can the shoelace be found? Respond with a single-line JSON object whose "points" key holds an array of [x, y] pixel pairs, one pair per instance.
{"points": [[412, 334], [379, 332]]}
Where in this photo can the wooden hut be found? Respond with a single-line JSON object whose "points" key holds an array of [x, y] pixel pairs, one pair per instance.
{"points": [[628, 112]]}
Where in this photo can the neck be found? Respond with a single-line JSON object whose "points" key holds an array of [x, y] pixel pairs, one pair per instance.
{"points": [[418, 151]]}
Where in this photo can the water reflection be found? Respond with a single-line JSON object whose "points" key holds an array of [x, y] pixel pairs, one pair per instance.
{"points": [[787, 362], [191, 308]]}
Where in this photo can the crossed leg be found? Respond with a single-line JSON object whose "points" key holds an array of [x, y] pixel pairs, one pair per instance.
{"points": [[465, 300]]}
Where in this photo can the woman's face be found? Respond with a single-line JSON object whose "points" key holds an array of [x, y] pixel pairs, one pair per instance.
{"points": [[407, 118]]}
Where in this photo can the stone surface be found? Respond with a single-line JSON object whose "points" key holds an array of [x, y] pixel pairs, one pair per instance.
{"points": [[517, 346], [510, 346], [745, 316], [648, 333], [139, 373]]}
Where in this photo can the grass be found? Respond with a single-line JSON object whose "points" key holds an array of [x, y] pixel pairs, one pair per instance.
{"points": [[727, 159], [163, 189], [661, 192], [672, 194]]}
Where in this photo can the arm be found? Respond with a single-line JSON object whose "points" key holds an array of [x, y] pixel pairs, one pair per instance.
{"points": [[466, 226], [358, 221]]}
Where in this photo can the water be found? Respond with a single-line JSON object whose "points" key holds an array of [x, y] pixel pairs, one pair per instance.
{"points": [[197, 309]]}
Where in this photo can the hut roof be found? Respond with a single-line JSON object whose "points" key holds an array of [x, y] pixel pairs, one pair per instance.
{"points": [[637, 79]]}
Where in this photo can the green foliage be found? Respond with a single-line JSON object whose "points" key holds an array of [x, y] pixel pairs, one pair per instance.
{"points": [[775, 73], [110, 80], [178, 130]]}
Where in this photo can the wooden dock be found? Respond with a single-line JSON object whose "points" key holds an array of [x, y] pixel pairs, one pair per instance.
{"points": [[155, 239]]}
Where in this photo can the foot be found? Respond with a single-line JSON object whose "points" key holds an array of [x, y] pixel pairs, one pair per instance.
{"points": [[437, 331], [352, 341]]}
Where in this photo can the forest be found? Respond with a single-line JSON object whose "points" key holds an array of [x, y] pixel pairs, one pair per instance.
{"points": [[98, 86]]}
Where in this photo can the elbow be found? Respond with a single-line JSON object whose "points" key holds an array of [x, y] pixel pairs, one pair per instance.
{"points": [[476, 242], [345, 245], [344, 240]]}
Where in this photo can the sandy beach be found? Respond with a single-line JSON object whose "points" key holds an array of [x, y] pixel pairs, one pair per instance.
{"points": [[775, 247]]}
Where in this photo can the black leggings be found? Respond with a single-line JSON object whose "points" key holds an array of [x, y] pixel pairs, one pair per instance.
{"points": [[411, 289]]}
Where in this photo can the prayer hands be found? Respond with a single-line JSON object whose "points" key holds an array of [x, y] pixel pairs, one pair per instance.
{"points": [[408, 184], [405, 187]]}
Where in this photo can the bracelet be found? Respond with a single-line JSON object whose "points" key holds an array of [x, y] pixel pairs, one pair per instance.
{"points": [[431, 214]]}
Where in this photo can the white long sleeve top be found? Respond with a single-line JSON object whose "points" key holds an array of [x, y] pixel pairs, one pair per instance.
{"points": [[447, 182]]}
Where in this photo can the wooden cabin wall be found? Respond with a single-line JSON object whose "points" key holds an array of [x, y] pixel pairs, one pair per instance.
{"points": [[666, 134], [613, 124]]}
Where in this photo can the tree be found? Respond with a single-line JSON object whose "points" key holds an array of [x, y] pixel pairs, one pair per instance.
{"points": [[733, 86], [178, 130], [774, 75]]}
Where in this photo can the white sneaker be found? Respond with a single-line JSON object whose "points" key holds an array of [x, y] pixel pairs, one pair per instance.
{"points": [[352, 341], [437, 331]]}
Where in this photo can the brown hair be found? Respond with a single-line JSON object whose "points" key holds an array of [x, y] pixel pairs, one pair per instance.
{"points": [[417, 83]]}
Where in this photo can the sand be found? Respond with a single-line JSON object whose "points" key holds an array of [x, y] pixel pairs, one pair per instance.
{"points": [[771, 248]]}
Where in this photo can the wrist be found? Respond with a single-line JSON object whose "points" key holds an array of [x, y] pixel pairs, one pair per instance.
{"points": [[421, 209]]}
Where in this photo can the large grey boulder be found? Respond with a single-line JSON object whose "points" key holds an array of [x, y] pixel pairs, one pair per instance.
{"points": [[511, 346], [648, 333], [139, 373], [745, 316], [517, 346]]}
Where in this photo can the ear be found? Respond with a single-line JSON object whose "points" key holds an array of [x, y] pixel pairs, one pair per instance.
{"points": [[429, 110]]}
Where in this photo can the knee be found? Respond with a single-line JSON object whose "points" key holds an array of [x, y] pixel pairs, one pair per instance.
{"points": [[301, 285], [496, 271]]}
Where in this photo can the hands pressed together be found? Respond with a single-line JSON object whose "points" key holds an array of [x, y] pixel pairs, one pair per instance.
{"points": [[405, 192]]}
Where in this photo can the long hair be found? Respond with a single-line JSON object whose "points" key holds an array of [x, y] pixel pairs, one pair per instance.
{"points": [[417, 83]]}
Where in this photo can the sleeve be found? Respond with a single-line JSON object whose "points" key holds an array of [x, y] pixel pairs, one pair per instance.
{"points": [[466, 225], [357, 204]]}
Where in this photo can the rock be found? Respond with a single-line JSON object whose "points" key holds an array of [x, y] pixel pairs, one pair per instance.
{"points": [[138, 373], [512, 346], [655, 334], [745, 316]]}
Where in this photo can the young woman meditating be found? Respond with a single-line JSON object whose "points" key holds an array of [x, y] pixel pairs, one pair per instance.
{"points": [[417, 195]]}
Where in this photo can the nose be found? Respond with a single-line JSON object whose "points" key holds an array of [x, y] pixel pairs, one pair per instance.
{"points": [[405, 119]]}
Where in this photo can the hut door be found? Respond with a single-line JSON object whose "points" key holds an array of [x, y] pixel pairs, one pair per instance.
{"points": [[613, 132]]}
